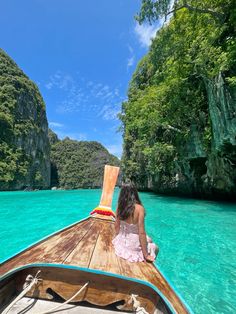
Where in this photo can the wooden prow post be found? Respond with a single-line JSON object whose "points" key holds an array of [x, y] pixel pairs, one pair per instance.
{"points": [[109, 182]]}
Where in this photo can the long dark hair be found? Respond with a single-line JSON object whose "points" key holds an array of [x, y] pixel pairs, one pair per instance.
{"points": [[127, 199]]}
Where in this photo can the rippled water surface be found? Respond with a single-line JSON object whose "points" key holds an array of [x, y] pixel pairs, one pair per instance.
{"points": [[197, 239]]}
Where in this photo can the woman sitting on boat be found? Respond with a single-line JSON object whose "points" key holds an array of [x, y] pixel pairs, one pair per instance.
{"points": [[131, 241]]}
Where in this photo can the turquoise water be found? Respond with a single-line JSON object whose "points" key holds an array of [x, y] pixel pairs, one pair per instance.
{"points": [[197, 239]]}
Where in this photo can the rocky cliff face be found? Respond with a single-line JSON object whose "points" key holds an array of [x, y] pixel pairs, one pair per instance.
{"points": [[24, 144], [208, 172], [179, 120], [198, 170], [221, 161], [78, 164]]}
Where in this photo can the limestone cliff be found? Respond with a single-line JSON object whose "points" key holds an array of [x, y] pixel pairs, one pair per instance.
{"points": [[24, 144], [179, 122], [78, 164], [207, 172]]}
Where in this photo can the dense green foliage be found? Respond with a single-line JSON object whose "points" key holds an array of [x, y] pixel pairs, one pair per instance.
{"points": [[168, 95], [151, 10], [21, 112], [24, 141], [78, 164]]}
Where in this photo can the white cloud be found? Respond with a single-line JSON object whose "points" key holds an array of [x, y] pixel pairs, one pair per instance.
{"points": [[145, 33], [130, 61], [49, 85], [115, 149], [90, 83], [131, 50], [56, 125], [74, 101], [60, 80], [110, 112], [72, 136], [62, 133], [91, 99]]}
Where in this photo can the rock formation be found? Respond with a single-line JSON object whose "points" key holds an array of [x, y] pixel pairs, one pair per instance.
{"points": [[179, 120], [24, 144], [78, 164]]}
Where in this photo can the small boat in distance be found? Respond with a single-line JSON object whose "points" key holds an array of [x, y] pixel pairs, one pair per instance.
{"points": [[75, 270]]}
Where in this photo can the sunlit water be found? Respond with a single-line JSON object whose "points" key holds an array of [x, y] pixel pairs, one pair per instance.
{"points": [[197, 239]]}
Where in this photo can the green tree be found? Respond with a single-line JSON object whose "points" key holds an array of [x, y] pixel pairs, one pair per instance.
{"points": [[152, 10], [22, 115], [78, 164], [167, 111]]}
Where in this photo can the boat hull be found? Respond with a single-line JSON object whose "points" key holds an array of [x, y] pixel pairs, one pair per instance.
{"points": [[60, 282], [88, 245]]}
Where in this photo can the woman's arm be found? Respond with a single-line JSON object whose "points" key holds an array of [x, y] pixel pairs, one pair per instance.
{"points": [[141, 231], [117, 225], [142, 234]]}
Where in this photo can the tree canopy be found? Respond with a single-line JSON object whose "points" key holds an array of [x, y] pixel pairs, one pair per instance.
{"points": [[151, 10], [78, 164], [22, 111], [168, 91]]}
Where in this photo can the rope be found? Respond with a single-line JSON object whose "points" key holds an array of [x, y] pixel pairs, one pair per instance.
{"points": [[64, 303], [33, 281], [136, 304], [29, 283]]}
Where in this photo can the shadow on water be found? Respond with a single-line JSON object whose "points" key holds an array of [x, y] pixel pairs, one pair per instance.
{"points": [[218, 206]]}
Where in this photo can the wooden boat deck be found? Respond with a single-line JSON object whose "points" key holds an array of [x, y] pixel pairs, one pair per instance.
{"points": [[89, 244]]}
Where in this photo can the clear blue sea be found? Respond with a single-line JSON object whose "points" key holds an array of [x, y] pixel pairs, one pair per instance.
{"points": [[197, 239]]}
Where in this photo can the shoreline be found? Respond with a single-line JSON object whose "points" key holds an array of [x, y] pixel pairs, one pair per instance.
{"points": [[214, 198]]}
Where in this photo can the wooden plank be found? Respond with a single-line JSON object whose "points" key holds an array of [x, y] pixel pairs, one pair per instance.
{"points": [[104, 257], [89, 243], [109, 182], [82, 253], [132, 270], [102, 290], [53, 249], [148, 272], [65, 245]]}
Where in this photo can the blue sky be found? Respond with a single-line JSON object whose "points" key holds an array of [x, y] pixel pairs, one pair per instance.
{"points": [[81, 54]]}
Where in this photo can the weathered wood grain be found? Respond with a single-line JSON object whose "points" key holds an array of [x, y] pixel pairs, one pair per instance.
{"points": [[83, 252], [109, 182], [89, 244], [104, 257], [102, 290], [52, 250]]}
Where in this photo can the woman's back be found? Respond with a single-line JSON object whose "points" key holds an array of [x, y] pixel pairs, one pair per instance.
{"points": [[133, 218], [130, 242], [126, 243]]}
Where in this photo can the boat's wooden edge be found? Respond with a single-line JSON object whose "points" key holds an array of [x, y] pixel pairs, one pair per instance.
{"points": [[173, 288], [105, 220], [87, 274], [79, 268], [42, 240]]}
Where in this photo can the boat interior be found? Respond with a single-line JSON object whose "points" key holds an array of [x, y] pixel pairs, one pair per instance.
{"points": [[88, 244], [89, 292], [79, 264]]}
